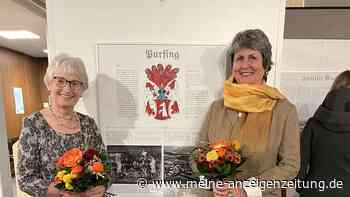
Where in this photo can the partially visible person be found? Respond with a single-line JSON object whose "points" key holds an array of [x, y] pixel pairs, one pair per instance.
{"points": [[48, 133], [257, 115], [325, 152]]}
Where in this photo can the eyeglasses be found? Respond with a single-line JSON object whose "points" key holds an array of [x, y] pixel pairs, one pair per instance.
{"points": [[61, 82]]}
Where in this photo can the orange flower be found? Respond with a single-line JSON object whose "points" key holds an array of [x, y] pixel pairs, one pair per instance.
{"points": [[71, 157], [97, 167], [221, 151], [219, 144], [77, 169], [60, 161]]}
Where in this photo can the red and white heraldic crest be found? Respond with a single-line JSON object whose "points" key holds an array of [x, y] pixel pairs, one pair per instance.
{"points": [[161, 100]]}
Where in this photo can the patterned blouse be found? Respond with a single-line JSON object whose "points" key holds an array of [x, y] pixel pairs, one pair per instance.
{"points": [[40, 146]]}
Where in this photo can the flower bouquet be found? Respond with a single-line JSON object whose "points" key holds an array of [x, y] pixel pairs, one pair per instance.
{"points": [[79, 170], [217, 161]]}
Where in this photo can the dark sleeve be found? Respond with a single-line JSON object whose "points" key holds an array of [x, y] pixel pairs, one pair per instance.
{"points": [[29, 169], [305, 150]]}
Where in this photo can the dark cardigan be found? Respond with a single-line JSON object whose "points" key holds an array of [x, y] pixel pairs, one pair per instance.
{"points": [[325, 148]]}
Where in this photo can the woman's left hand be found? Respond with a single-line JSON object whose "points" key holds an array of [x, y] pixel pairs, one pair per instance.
{"points": [[95, 191], [238, 192], [71, 194]]}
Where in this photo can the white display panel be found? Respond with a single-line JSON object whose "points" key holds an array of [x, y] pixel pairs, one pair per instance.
{"points": [[156, 93], [306, 90]]}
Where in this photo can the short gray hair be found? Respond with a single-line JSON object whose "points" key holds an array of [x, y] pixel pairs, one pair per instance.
{"points": [[69, 65], [253, 39]]}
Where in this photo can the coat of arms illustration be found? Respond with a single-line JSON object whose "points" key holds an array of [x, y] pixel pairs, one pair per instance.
{"points": [[161, 101]]}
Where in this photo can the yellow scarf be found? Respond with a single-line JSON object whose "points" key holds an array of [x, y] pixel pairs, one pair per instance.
{"points": [[258, 102]]}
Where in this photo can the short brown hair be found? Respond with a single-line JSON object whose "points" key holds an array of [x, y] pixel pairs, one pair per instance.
{"points": [[341, 81]]}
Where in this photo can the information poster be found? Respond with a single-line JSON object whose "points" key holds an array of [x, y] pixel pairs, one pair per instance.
{"points": [[157, 94], [306, 90], [152, 100]]}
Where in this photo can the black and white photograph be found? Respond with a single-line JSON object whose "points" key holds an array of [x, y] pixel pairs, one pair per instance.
{"points": [[177, 161], [129, 163]]}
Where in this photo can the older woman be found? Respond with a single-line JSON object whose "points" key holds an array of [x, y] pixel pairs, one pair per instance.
{"points": [[325, 153], [258, 115], [49, 132]]}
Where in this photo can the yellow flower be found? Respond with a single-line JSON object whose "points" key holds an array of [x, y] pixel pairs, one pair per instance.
{"points": [[212, 155], [68, 186], [235, 144], [60, 175], [67, 178]]}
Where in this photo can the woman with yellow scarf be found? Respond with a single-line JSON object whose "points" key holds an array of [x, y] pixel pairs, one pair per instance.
{"points": [[257, 115]]}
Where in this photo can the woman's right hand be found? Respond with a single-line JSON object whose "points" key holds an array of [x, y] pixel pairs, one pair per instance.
{"points": [[221, 191], [52, 191], [225, 191], [97, 191], [71, 194]]}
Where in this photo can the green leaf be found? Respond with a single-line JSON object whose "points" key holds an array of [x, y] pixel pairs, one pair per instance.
{"points": [[60, 186], [104, 157], [85, 147], [220, 169], [227, 169], [224, 169], [202, 168]]}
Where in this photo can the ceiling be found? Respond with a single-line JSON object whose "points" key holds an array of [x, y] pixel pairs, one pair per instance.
{"points": [[24, 15], [31, 15]]}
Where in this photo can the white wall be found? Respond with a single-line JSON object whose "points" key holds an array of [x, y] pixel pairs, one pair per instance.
{"points": [[308, 69], [315, 55], [75, 27]]}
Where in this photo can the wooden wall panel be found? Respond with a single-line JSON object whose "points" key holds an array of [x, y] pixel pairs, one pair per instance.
{"points": [[42, 62], [19, 70], [295, 3], [31, 91], [7, 58]]}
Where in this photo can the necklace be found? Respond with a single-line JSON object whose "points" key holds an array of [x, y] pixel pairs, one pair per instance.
{"points": [[60, 116], [60, 120]]}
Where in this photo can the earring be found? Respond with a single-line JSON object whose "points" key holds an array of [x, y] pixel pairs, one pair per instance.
{"points": [[49, 100], [265, 75]]}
